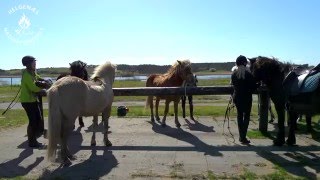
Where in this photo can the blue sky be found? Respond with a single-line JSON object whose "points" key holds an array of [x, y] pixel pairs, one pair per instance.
{"points": [[158, 31]]}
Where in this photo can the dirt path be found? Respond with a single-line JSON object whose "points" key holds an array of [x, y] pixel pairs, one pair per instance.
{"points": [[144, 150]]}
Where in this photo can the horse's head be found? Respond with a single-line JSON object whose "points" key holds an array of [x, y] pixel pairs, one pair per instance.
{"points": [[78, 69], [183, 69], [268, 70], [191, 80]]}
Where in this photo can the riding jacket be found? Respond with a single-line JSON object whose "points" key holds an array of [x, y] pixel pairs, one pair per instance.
{"points": [[28, 86]]}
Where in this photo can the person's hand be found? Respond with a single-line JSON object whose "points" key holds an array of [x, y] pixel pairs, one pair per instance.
{"points": [[42, 92]]}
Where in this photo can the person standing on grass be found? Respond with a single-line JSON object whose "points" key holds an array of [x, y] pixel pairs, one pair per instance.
{"points": [[29, 100], [244, 86]]}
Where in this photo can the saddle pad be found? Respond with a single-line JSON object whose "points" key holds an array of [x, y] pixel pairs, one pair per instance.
{"points": [[311, 83]]}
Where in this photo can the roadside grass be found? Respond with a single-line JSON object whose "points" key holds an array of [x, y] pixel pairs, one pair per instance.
{"points": [[278, 174], [256, 134]]}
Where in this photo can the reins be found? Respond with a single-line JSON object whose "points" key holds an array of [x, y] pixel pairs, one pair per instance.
{"points": [[10, 107], [230, 106]]}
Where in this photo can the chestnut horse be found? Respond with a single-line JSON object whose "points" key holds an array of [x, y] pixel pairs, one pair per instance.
{"points": [[176, 75]]}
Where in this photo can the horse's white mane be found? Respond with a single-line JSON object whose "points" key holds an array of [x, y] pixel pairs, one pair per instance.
{"points": [[104, 70]]}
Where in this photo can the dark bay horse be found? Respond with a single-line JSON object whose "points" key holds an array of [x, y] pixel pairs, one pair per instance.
{"points": [[78, 69], [176, 75], [304, 101], [189, 82], [272, 72]]}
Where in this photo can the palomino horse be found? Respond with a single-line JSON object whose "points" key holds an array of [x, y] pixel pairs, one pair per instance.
{"points": [[272, 73], [78, 69], [175, 76], [70, 97], [190, 82]]}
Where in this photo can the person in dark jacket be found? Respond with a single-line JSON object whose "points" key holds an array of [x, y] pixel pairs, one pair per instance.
{"points": [[29, 100], [244, 85]]}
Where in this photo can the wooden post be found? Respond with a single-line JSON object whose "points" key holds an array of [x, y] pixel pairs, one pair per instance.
{"points": [[263, 110]]}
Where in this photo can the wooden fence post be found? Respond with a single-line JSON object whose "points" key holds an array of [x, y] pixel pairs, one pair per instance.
{"points": [[263, 109]]}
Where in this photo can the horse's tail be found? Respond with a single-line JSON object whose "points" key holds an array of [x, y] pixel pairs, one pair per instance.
{"points": [[54, 123]]}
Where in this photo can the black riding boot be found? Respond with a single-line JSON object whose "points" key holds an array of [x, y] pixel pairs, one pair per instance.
{"points": [[32, 139]]}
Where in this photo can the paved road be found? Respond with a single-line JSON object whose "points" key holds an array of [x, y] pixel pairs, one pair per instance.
{"points": [[142, 150]]}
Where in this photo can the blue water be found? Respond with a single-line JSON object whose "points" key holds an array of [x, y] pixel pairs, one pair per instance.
{"points": [[17, 80]]}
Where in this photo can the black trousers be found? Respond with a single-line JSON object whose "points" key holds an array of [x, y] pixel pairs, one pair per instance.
{"points": [[35, 126], [243, 115]]}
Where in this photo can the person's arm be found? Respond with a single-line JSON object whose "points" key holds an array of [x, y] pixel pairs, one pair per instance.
{"points": [[233, 76], [31, 84]]}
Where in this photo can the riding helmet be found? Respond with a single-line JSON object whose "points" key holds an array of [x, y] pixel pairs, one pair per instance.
{"points": [[27, 60], [241, 60]]}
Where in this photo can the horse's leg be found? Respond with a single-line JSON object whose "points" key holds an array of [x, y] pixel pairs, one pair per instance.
{"points": [[293, 124], [191, 107], [81, 124], [150, 101], [157, 109], [105, 119], [183, 105], [308, 121], [94, 127], [280, 140], [175, 105], [166, 110], [65, 154]]}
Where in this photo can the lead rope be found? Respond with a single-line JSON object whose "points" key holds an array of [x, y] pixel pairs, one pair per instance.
{"points": [[10, 107], [230, 106]]}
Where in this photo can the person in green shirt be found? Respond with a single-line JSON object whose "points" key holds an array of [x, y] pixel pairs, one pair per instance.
{"points": [[29, 100]]}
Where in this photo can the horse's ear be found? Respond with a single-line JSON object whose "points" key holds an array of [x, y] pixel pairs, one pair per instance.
{"points": [[252, 60], [179, 62], [70, 64]]}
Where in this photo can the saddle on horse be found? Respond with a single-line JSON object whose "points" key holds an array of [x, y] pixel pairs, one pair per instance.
{"points": [[301, 80]]}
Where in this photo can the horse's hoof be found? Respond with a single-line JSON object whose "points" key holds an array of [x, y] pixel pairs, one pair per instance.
{"points": [[66, 163], [81, 125], [163, 125], [108, 143], [72, 157], [291, 142], [93, 144], [178, 125], [278, 142]]}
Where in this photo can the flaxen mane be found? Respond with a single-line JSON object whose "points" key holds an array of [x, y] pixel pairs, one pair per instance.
{"points": [[103, 70], [174, 69]]}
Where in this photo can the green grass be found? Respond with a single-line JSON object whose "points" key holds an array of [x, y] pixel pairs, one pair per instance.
{"points": [[13, 118], [279, 174], [256, 134]]}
